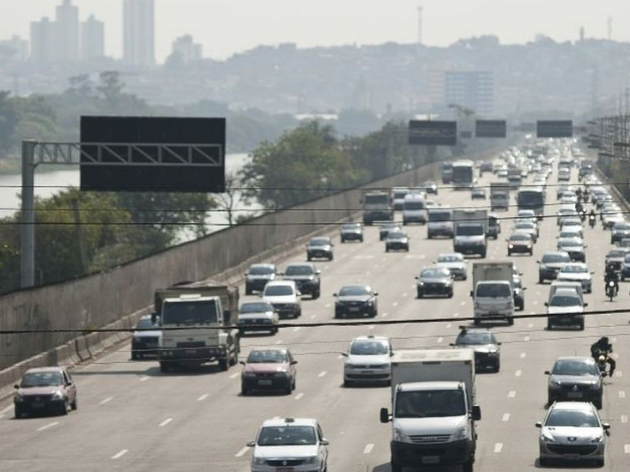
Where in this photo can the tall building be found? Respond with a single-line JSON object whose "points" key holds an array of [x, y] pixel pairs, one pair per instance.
{"points": [[17, 46], [186, 48], [42, 41], [92, 39], [470, 89], [66, 40], [139, 32]]}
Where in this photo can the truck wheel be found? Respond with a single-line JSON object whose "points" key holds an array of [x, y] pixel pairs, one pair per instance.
{"points": [[483, 255], [468, 466], [135, 356], [244, 391], [396, 467], [223, 364], [510, 321], [164, 367], [248, 290]]}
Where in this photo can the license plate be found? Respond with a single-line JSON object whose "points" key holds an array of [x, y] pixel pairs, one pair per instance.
{"points": [[284, 469], [37, 405], [264, 382], [353, 308], [367, 371], [574, 395], [190, 352], [431, 459], [152, 345]]}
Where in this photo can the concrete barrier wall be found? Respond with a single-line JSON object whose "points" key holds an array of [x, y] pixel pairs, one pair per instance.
{"points": [[119, 296]]}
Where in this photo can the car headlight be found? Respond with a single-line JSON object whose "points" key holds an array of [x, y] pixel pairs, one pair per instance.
{"points": [[18, 397], [459, 434], [57, 395], [511, 246], [248, 374], [547, 437], [554, 384], [597, 439], [311, 460], [493, 353], [281, 374], [595, 386], [259, 460], [400, 436], [420, 284]]}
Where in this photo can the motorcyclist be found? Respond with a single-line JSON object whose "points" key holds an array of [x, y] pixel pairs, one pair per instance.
{"points": [[592, 220], [612, 276], [603, 347]]}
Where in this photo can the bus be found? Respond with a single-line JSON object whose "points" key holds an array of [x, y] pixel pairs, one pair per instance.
{"points": [[463, 174], [447, 172], [532, 199]]}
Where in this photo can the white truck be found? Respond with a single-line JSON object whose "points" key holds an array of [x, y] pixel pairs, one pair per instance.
{"points": [[200, 317], [493, 291], [470, 232], [499, 196], [433, 409]]}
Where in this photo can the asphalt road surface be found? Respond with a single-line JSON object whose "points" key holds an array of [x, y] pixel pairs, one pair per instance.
{"points": [[134, 418]]}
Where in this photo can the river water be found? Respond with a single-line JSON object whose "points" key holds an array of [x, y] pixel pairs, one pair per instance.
{"points": [[49, 183]]}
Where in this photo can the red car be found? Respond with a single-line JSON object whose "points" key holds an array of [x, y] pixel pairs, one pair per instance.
{"points": [[45, 389], [269, 369]]}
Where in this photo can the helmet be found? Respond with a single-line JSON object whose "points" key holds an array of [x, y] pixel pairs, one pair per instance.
{"points": [[604, 339]]}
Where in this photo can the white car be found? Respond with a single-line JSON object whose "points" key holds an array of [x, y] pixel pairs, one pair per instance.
{"points": [[565, 308], [577, 272], [291, 444], [455, 263], [572, 431], [285, 298], [258, 316], [527, 227], [368, 360]]}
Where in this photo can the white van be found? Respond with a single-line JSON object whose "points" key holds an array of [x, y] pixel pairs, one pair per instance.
{"points": [[414, 209], [493, 298], [440, 222]]}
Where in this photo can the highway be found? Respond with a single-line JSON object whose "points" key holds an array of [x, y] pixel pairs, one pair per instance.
{"points": [[134, 418]]}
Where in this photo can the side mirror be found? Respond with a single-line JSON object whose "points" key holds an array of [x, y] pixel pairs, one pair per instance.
{"points": [[154, 317], [499, 343], [318, 272], [324, 442], [606, 427], [451, 344], [547, 372], [241, 362], [294, 362], [538, 424], [16, 386], [592, 272], [476, 413], [335, 295], [250, 443], [546, 304], [376, 294], [471, 293], [385, 416], [585, 305], [344, 354]]}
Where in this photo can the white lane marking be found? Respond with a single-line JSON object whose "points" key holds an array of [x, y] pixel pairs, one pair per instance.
{"points": [[234, 375], [530, 325], [439, 340], [322, 373], [462, 303], [526, 338], [242, 452], [535, 302], [371, 327], [296, 329], [313, 317], [299, 395], [455, 315], [512, 394], [613, 339], [106, 400], [144, 378], [626, 448], [202, 397], [384, 315], [165, 422], [327, 305], [618, 373], [119, 454], [624, 418], [339, 356], [405, 294], [523, 355], [368, 448], [4, 410], [395, 304], [498, 447], [279, 341], [622, 394], [49, 425], [448, 325], [506, 417], [518, 373]]}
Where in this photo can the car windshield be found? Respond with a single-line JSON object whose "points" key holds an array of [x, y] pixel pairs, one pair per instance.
{"points": [[438, 216], [287, 436], [470, 230], [278, 290], [569, 243], [146, 324], [255, 307], [574, 367], [520, 237], [414, 205], [616, 254], [569, 234], [350, 226], [41, 379], [572, 418], [622, 226], [434, 273], [369, 348], [267, 357], [551, 258], [525, 226], [260, 270], [450, 258], [565, 300], [299, 270], [430, 404], [493, 290], [354, 290], [319, 242], [574, 269], [475, 338]]}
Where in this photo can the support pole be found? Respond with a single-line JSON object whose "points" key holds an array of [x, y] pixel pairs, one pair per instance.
{"points": [[27, 227]]}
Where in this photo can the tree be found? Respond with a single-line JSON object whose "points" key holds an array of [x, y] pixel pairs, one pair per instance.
{"points": [[229, 200]]}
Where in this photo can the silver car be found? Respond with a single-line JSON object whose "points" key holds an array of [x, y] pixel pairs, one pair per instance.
{"points": [[577, 272], [572, 431], [455, 263], [368, 360]]}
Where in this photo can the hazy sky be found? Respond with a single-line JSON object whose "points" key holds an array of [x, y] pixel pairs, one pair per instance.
{"points": [[228, 26]]}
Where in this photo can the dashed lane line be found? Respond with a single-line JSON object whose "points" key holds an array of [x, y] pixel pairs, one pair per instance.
{"points": [[395, 304], [144, 378], [165, 422], [624, 418], [618, 373], [498, 447], [202, 397], [279, 341], [322, 373], [622, 394], [339, 356], [48, 426], [523, 355], [299, 395], [439, 340], [313, 317], [242, 452], [455, 315], [234, 375], [462, 303], [626, 448], [368, 448], [518, 373], [405, 295], [384, 315], [526, 338], [119, 454], [296, 329], [512, 394], [505, 417], [448, 325], [105, 400]]}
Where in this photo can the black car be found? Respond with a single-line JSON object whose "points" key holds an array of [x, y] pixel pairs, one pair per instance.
{"points": [[351, 232], [520, 243], [396, 241], [356, 300], [574, 378], [574, 247], [319, 248], [305, 276], [478, 193], [385, 228], [257, 277], [485, 345], [146, 338], [434, 281], [550, 264], [620, 230], [615, 258]]}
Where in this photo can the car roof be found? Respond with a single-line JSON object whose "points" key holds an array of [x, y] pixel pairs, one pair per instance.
{"points": [[290, 422], [271, 266], [573, 406], [565, 292], [301, 264], [35, 370], [370, 338], [280, 282], [576, 358]]}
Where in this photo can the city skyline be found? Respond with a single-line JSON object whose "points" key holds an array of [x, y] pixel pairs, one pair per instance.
{"points": [[225, 27]]}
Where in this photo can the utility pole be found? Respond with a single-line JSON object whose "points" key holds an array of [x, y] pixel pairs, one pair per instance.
{"points": [[27, 228]]}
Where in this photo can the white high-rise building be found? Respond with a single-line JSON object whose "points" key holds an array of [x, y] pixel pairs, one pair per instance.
{"points": [[19, 47], [92, 39], [187, 49], [66, 36], [139, 32], [42, 41]]}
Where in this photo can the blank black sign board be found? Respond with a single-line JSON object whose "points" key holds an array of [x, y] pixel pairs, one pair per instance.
{"points": [[208, 134], [554, 129], [491, 128], [432, 133]]}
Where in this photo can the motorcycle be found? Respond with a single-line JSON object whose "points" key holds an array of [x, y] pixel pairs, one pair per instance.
{"points": [[602, 365], [611, 289], [582, 215], [591, 221]]}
